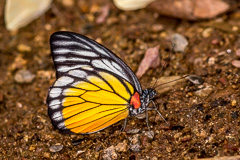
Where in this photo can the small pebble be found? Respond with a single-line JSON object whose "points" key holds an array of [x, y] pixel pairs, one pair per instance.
{"points": [[169, 149], [154, 158], [157, 27], [112, 20], [236, 63], [215, 41], [32, 148], [133, 131], [68, 3], [221, 53], [26, 138], [234, 103], [155, 144], [234, 86], [211, 61], [235, 28], [149, 134], [186, 138], [135, 143], [47, 75], [211, 138], [229, 51], [180, 42], [48, 27], [90, 17], [195, 79], [207, 32], [24, 76], [95, 8], [134, 139], [238, 52], [223, 80], [109, 154], [123, 43], [177, 135], [135, 147], [46, 155], [234, 115], [122, 147], [144, 140], [204, 92], [56, 148], [79, 152], [24, 48], [202, 134], [18, 63], [84, 8]]}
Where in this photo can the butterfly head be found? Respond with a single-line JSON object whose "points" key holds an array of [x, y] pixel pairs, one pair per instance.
{"points": [[149, 94], [140, 103]]}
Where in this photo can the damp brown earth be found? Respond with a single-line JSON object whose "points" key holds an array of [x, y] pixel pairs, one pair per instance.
{"points": [[204, 118]]}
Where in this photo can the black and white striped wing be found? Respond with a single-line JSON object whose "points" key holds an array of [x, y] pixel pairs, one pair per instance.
{"points": [[72, 51]]}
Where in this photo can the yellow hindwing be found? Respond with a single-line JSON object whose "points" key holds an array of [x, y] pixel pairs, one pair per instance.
{"points": [[95, 104]]}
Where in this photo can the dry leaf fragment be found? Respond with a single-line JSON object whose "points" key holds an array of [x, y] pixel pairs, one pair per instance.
{"points": [[129, 5], [169, 83], [19, 13], [150, 60]]}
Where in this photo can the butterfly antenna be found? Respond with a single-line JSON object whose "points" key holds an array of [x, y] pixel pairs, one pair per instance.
{"points": [[165, 64]]}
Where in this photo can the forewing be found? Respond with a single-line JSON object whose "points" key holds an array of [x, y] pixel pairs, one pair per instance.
{"points": [[72, 51]]}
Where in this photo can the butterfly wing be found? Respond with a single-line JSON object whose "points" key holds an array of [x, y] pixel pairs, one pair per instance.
{"points": [[93, 86], [78, 51]]}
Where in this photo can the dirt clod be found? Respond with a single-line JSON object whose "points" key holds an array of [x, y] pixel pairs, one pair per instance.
{"points": [[24, 76]]}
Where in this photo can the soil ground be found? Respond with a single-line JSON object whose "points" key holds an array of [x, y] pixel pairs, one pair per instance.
{"points": [[204, 119]]}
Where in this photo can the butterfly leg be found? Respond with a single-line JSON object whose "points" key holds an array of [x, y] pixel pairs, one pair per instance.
{"points": [[155, 108], [124, 125], [147, 120]]}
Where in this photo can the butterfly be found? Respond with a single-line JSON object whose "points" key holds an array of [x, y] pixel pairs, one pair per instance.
{"points": [[94, 88]]}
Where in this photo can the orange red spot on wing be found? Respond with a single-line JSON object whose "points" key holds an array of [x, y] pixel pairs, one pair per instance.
{"points": [[135, 100]]}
